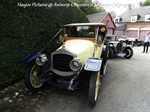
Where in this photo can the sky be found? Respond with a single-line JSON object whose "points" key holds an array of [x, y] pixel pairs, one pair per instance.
{"points": [[118, 6]]}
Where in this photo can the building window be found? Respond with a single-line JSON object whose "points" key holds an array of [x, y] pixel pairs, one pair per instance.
{"points": [[147, 17], [136, 17], [118, 19], [107, 23], [133, 18]]}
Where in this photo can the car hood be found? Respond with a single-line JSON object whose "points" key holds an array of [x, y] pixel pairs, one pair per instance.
{"points": [[82, 48]]}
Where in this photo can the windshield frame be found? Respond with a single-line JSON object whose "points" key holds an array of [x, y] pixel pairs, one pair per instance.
{"points": [[84, 31]]}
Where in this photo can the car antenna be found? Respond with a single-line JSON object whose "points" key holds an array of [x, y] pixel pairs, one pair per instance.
{"points": [[51, 40]]}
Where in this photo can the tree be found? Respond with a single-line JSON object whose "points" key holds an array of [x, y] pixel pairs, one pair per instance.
{"points": [[98, 6], [88, 6], [146, 3]]}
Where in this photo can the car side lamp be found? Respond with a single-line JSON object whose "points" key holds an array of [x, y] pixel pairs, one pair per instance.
{"points": [[41, 60]]}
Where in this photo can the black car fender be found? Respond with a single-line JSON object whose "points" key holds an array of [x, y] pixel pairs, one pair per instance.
{"points": [[30, 57], [127, 47]]}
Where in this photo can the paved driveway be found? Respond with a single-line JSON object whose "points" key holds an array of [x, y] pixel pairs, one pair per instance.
{"points": [[125, 88]]}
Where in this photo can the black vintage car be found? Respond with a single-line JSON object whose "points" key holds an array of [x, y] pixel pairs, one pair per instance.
{"points": [[119, 46]]}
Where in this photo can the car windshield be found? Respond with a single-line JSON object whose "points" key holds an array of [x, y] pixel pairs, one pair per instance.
{"points": [[80, 31]]}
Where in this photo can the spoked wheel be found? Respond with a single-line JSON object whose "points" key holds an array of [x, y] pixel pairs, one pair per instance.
{"points": [[94, 88], [31, 77], [128, 53]]}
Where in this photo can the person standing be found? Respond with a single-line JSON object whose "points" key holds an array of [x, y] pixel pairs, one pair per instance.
{"points": [[146, 42]]}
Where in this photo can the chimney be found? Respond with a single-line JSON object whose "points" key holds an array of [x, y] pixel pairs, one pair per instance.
{"points": [[129, 7]]}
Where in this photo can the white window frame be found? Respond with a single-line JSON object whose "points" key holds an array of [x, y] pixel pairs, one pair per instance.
{"points": [[133, 18], [147, 17], [117, 19]]}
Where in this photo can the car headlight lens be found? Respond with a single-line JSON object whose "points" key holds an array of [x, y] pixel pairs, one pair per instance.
{"points": [[75, 64], [41, 59]]}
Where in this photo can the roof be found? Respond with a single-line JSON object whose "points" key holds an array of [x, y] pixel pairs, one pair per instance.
{"points": [[121, 27], [97, 17], [85, 24], [126, 16]]}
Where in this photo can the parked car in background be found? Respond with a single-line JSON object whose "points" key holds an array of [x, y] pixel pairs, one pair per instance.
{"points": [[79, 61], [132, 41], [119, 46]]}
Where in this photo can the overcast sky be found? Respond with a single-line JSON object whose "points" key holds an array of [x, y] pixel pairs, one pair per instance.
{"points": [[119, 6]]}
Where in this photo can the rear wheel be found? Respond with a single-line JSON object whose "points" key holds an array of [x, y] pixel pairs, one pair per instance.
{"points": [[94, 88], [128, 53], [31, 77], [111, 53]]}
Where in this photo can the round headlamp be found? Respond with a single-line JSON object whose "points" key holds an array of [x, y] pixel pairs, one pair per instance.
{"points": [[75, 64], [41, 59]]}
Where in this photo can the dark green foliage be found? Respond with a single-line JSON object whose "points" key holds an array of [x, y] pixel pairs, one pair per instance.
{"points": [[88, 6], [27, 30], [146, 3]]}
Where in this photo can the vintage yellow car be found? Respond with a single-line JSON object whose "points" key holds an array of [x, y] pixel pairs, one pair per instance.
{"points": [[80, 61]]}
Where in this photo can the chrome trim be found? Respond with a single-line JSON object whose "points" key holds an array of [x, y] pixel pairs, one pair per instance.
{"points": [[96, 36], [93, 64], [73, 67], [41, 60]]}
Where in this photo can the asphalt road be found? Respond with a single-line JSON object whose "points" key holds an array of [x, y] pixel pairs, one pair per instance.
{"points": [[125, 88]]}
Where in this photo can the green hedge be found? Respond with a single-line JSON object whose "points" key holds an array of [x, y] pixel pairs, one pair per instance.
{"points": [[27, 30]]}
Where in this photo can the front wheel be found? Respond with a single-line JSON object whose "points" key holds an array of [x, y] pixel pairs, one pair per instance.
{"points": [[31, 77], [105, 54], [128, 53], [94, 88]]}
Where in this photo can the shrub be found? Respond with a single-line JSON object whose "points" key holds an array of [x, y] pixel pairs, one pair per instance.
{"points": [[27, 30]]}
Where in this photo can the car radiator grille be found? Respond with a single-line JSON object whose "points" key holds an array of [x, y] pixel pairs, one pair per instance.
{"points": [[61, 62]]}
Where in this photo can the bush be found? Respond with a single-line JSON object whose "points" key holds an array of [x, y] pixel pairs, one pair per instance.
{"points": [[27, 30]]}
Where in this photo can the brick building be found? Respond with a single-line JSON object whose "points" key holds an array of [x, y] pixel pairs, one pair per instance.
{"points": [[103, 17], [136, 22]]}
